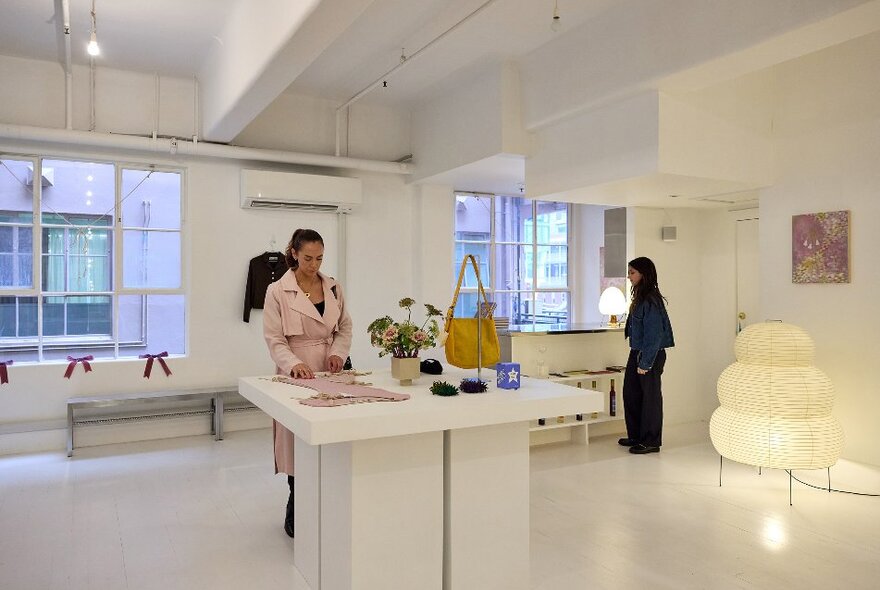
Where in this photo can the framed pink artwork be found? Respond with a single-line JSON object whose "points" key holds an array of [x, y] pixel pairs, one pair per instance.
{"points": [[820, 247]]}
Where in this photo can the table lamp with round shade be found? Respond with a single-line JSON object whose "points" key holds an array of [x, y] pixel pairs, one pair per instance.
{"points": [[612, 303]]}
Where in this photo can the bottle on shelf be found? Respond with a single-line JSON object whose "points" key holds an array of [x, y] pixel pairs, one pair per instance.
{"points": [[541, 422], [612, 402], [560, 419]]}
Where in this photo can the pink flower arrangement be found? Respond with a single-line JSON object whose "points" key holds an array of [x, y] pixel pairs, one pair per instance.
{"points": [[405, 339]]}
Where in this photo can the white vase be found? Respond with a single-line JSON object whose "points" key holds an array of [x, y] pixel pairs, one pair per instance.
{"points": [[406, 370]]}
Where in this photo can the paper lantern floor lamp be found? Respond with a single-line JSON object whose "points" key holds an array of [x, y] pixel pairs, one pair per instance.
{"points": [[775, 405]]}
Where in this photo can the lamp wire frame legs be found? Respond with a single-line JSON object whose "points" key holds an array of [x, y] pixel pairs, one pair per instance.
{"points": [[760, 472]]}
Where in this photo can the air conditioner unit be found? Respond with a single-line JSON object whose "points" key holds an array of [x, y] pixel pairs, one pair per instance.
{"points": [[264, 189]]}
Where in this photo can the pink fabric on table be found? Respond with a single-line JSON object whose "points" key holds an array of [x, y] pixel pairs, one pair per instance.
{"points": [[336, 393]]}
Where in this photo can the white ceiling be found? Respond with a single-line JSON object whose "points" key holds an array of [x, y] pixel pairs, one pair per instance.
{"points": [[500, 174], [170, 37], [666, 191], [180, 38], [503, 30], [174, 37]]}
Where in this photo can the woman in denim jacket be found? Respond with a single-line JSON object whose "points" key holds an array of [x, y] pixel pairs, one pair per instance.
{"points": [[649, 333]]}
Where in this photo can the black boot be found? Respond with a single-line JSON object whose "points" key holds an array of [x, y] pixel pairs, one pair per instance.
{"points": [[288, 518]]}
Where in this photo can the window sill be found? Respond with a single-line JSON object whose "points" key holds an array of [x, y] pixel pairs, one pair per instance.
{"points": [[68, 345]]}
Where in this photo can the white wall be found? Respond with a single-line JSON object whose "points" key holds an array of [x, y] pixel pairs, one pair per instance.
{"points": [[630, 49], [717, 304], [461, 126], [696, 276], [828, 149], [293, 122], [587, 237], [399, 241], [301, 123], [433, 246], [125, 102], [220, 240], [746, 101], [610, 143], [694, 142], [826, 125], [36, 97]]}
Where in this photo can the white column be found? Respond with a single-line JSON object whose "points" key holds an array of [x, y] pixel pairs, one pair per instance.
{"points": [[382, 513], [486, 522], [307, 511]]}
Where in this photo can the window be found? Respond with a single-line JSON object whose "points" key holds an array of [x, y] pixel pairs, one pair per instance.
{"points": [[522, 248], [103, 276]]}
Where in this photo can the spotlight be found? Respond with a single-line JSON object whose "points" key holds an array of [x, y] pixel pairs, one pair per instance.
{"points": [[556, 23], [92, 48]]}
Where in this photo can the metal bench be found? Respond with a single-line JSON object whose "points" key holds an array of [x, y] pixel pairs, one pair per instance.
{"points": [[214, 394]]}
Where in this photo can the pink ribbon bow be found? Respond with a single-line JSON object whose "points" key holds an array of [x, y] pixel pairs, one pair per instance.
{"points": [[4, 376], [83, 359], [149, 368]]}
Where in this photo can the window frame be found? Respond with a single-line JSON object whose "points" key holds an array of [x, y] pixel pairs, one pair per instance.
{"points": [[533, 246], [41, 342]]}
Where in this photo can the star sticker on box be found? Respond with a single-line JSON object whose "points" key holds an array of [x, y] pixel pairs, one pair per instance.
{"points": [[513, 376]]}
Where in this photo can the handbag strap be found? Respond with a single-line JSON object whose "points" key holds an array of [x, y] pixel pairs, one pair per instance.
{"points": [[451, 311]]}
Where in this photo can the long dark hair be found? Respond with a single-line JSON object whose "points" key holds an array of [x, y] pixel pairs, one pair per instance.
{"points": [[300, 237], [648, 289]]}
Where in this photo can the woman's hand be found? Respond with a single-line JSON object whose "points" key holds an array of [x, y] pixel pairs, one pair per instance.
{"points": [[334, 364], [642, 371], [302, 371]]}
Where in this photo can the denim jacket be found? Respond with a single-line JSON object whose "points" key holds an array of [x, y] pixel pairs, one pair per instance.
{"points": [[649, 330]]}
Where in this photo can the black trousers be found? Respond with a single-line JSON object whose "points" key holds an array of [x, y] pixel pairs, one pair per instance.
{"points": [[643, 401]]}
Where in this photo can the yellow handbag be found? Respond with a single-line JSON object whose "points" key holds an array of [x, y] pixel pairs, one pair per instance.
{"points": [[461, 333]]}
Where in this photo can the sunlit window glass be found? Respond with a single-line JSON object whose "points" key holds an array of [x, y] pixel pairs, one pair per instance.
{"points": [[522, 248]]}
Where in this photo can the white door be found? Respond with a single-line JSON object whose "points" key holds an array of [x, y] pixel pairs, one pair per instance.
{"points": [[748, 273]]}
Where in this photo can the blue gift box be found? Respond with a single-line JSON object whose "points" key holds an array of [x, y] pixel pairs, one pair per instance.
{"points": [[508, 375]]}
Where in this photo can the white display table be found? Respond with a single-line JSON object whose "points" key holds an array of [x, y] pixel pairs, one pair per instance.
{"points": [[429, 493]]}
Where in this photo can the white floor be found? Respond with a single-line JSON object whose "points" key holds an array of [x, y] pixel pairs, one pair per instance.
{"points": [[190, 513]]}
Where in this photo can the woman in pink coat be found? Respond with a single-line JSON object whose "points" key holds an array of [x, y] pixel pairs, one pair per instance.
{"points": [[307, 330]]}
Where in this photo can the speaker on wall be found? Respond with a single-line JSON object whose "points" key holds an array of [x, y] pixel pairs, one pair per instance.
{"points": [[669, 233]]}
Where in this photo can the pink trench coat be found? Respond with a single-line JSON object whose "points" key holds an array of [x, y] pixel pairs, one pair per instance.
{"points": [[296, 333]]}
